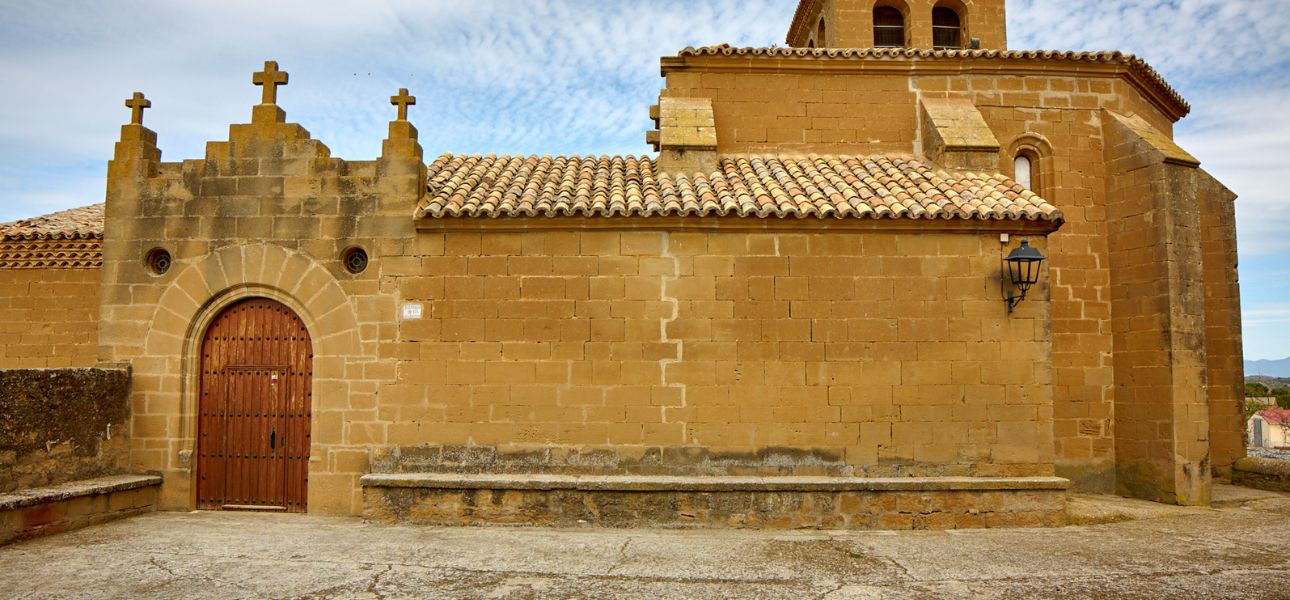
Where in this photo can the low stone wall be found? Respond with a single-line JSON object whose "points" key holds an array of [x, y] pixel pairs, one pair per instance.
{"points": [[59, 425], [716, 502], [45, 511], [683, 461], [1262, 473]]}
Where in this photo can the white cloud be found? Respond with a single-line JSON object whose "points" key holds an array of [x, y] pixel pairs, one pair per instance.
{"points": [[543, 76]]}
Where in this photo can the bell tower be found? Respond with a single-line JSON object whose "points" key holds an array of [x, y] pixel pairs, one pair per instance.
{"points": [[923, 24]]}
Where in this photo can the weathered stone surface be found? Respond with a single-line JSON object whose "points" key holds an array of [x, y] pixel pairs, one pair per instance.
{"points": [[716, 502], [76, 489], [709, 484], [1177, 553], [46, 511], [1262, 473], [61, 425]]}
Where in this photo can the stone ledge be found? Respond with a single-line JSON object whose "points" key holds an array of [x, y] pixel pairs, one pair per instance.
{"points": [[1263, 466], [76, 489], [624, 483], [1262, 474]]}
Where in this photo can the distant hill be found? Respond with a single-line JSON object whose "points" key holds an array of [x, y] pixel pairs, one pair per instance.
{"points": [[1270, 368], [1271, 382]]}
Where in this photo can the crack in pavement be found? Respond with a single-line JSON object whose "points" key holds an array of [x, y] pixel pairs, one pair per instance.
{"points": [[622, 556], [154, 561], [376, 581]]}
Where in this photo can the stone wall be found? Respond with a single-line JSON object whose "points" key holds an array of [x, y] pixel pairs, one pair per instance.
{"points": [[1158, 298], [892, 352], [860, 106], [748, 503], [62, 425], [1222, 325], [48, 318]]}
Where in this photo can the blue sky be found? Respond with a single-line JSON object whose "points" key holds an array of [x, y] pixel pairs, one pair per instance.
{"points": [[566, 77]]}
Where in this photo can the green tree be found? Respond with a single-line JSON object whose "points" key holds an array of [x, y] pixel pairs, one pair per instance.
{"points": [[1283, 397], [1254, 389]]}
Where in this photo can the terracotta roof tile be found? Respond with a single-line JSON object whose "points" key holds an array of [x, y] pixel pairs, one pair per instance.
{"points": [[1276, 416], [1134, 63], [876, 187], [81, 223], [71, 239]]}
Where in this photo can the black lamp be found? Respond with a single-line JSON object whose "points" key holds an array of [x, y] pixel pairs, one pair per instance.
{"points": [[1023, 270]]}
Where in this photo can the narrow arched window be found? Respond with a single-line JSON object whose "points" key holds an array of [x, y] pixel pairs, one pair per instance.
{"points": [[819, 35], [1024, 171], [888, 27], [947, 29]]}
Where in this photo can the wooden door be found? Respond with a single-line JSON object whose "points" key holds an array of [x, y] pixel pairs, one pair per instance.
{"points": [[254, 409]]}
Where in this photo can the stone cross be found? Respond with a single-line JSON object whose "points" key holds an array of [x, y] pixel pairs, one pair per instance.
{"points": [[136, 106], [270, 78], [403, 101]]}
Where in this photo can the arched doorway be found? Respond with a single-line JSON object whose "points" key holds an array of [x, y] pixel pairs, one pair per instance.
{"points": [[254, 407]]}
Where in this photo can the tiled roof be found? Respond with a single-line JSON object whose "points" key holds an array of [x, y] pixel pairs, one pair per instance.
{"points": [[1276, 416], [81, 223], [820, 187], [1134, 63], [71, 239]]}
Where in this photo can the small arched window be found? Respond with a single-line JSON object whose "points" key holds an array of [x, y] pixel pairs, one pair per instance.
{"points": [[819, 35], [947, 29], [1023, 169], [888, 27]]}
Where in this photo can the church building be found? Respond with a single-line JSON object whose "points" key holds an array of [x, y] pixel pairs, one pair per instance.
{"points": [[890, 275]]}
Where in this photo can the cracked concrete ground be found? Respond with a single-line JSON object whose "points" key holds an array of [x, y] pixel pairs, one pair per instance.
{"points": [[1238, 551]]}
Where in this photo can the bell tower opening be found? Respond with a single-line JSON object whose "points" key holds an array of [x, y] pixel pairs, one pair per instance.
{"points": [[920, 24]]}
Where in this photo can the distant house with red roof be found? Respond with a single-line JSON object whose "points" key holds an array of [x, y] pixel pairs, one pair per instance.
{"points": [[1270, 428]]}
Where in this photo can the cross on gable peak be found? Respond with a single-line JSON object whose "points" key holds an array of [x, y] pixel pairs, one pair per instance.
{"points": [[270, 78], [136, 104], [403, 100]]}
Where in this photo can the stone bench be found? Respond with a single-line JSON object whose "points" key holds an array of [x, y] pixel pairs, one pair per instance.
{"points": [[1262, 474], [36, 512], [718, 501]]}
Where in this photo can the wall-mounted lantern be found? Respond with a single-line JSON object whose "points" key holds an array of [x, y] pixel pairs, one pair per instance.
{"points": [[1023, 272]]}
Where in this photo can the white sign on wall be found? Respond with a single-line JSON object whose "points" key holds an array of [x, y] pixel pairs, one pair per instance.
{"points": [[411, 312]]}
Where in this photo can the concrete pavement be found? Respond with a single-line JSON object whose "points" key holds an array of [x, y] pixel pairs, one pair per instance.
{"points": [[1239, 551]]}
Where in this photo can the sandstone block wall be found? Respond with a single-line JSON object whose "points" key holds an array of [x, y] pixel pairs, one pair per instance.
{"points": [[890, 351], [62, 425], [1222, 324], [844, 106], [1158, 317], [48, 318]]}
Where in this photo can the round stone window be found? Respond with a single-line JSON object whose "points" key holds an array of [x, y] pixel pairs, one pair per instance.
{"points": [[158, 261], [355, 260]]}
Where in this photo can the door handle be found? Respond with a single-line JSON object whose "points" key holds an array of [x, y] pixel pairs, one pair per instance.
{"points": [[273, 438]]}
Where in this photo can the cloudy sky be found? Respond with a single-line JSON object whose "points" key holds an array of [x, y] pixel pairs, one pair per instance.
{"points": [[566, 76]]}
